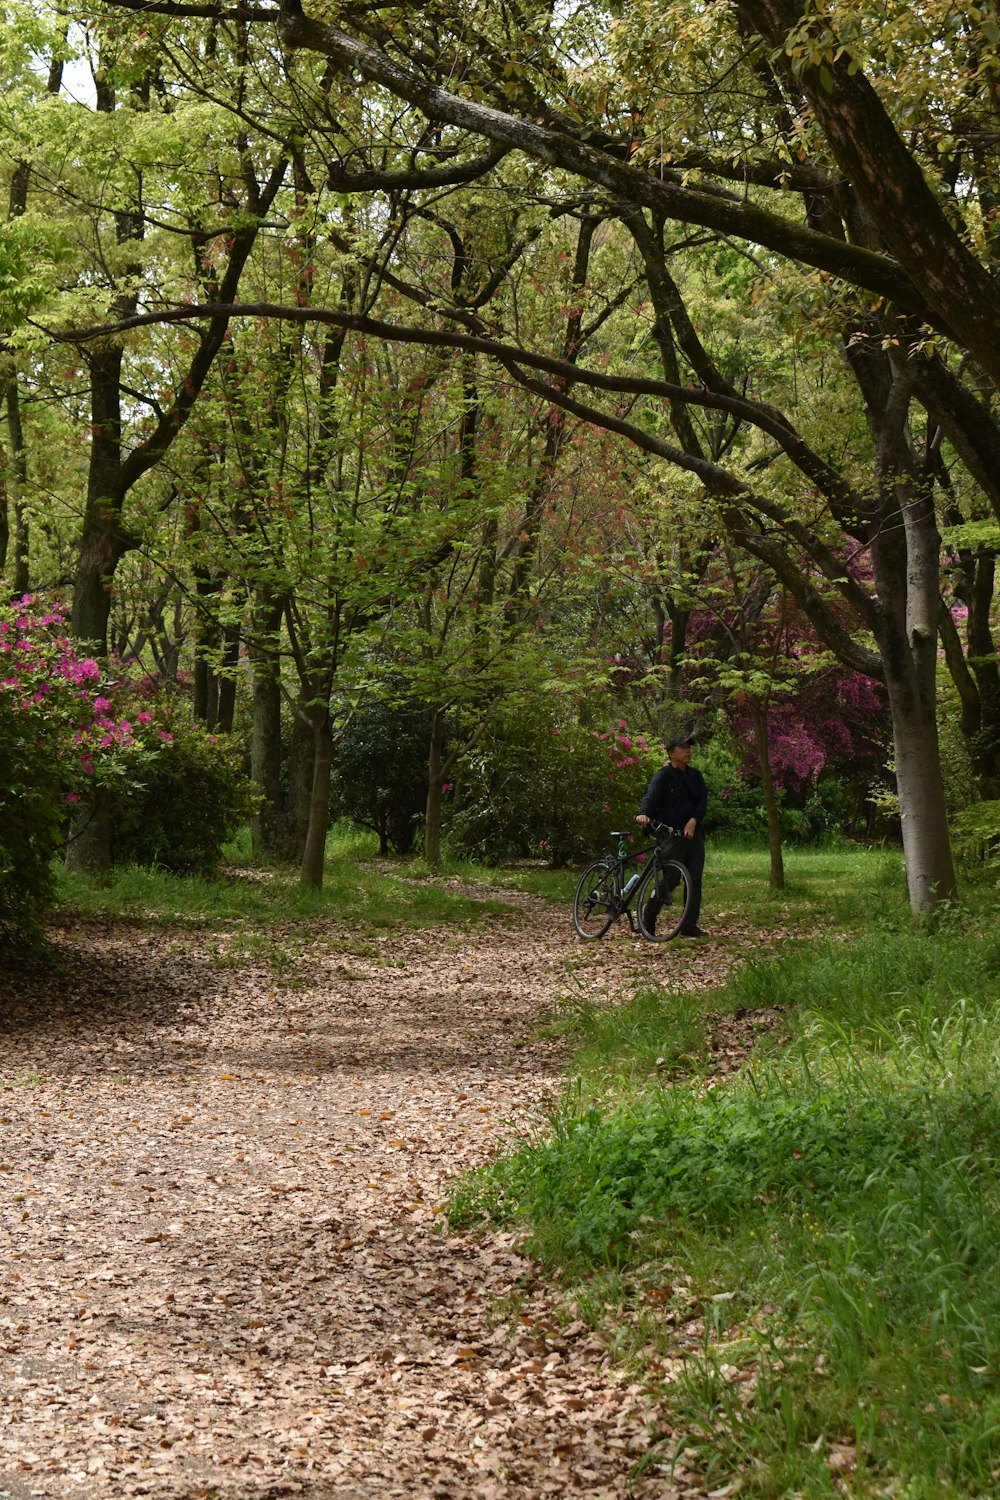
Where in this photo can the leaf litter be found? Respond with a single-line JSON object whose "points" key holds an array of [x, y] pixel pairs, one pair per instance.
{"points": [[226, 1271]]}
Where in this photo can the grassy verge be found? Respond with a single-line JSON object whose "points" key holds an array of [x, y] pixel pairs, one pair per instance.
{"points": [[357, 892], [803, 1260]]}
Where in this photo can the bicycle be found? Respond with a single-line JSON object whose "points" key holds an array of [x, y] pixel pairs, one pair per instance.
{"points": [[617, 885]]}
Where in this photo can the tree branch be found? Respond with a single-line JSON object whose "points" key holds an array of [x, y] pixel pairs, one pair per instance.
{"points": [[664, 192]]}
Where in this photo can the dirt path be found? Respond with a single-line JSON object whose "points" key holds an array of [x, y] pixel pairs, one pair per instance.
{"points": [[224, 1275]]}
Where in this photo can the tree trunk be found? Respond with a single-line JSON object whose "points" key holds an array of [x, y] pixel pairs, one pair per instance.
{"points": [[17, 483], [314, 854], [226, 711], [432, 818], [930, 872], [300, 781], [906, 581], [88, 851], [103, 542], [759, 713], [269, 829]]}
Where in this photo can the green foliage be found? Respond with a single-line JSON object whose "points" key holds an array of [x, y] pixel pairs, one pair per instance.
{"points": [[29, 251], [976, 837], [193, 794], [735, 806], [826, 814], [958, 748], [650, 1034], [707, 1160], [971, 534], [537, 784]]}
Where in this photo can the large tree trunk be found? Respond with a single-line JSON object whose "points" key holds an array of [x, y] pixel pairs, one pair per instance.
{"points": [[100, 554], [930, 871], [103, 542], [101, 548], [314, 854]]}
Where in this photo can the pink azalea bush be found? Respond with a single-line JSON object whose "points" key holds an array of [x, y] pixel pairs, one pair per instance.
{"points": [[195, 790], [74, 737], [58, 737]]}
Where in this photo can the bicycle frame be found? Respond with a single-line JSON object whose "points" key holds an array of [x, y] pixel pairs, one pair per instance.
{"points": [[623, 859], [611, 885]]}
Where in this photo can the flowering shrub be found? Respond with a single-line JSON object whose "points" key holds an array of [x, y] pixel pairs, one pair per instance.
{"points": [[837, 723], [57, 736], [193, 795], [30, 824], [544, 786], [69, 739]]}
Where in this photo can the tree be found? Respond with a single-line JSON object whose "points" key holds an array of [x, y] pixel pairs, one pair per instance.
{"points": [[905, 617], [677, 106]]}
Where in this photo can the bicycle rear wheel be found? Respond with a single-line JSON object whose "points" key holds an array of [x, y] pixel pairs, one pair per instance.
{"points": [[674, 911], [595, 901]]}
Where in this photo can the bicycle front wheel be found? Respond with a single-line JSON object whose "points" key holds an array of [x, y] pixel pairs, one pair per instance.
{"points": [[667, 923], [595, 902]]}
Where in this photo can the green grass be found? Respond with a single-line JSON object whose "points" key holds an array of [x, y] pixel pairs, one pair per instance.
{"points": [[647, 1034], [26, 1081], [824, 887], [803, 1261], [358, 891]]}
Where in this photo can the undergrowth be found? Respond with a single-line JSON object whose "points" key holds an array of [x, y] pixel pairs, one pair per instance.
{"points": [[802, 1259]]}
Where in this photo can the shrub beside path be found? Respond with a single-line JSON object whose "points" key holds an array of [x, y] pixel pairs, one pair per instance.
{"points": [[225, 1270]]}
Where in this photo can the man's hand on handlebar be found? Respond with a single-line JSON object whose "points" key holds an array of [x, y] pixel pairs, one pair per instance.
{"points": [[689, 830]]}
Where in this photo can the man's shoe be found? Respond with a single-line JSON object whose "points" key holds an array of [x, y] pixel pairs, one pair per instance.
{"points": [[649, 920], [693, 932]]}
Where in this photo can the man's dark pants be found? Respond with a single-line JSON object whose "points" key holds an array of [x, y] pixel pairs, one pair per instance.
{"points": [[689, 852]]}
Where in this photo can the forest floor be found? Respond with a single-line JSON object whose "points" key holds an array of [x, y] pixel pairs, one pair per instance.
{"points": [[225, 1268]]}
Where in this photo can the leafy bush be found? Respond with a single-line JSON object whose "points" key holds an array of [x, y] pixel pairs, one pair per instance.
{"points": [[735, 805], [977, 839], [192, 795], [821, 810], [540, 785]]}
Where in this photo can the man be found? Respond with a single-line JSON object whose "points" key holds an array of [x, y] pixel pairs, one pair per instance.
{"points": [[677, 796]]}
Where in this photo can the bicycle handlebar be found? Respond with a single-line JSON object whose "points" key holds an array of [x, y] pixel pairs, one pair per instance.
{"points": [[622, 834]]}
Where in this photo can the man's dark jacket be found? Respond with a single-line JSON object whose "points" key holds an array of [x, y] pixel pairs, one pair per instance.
{"points": [[674, 796]]}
